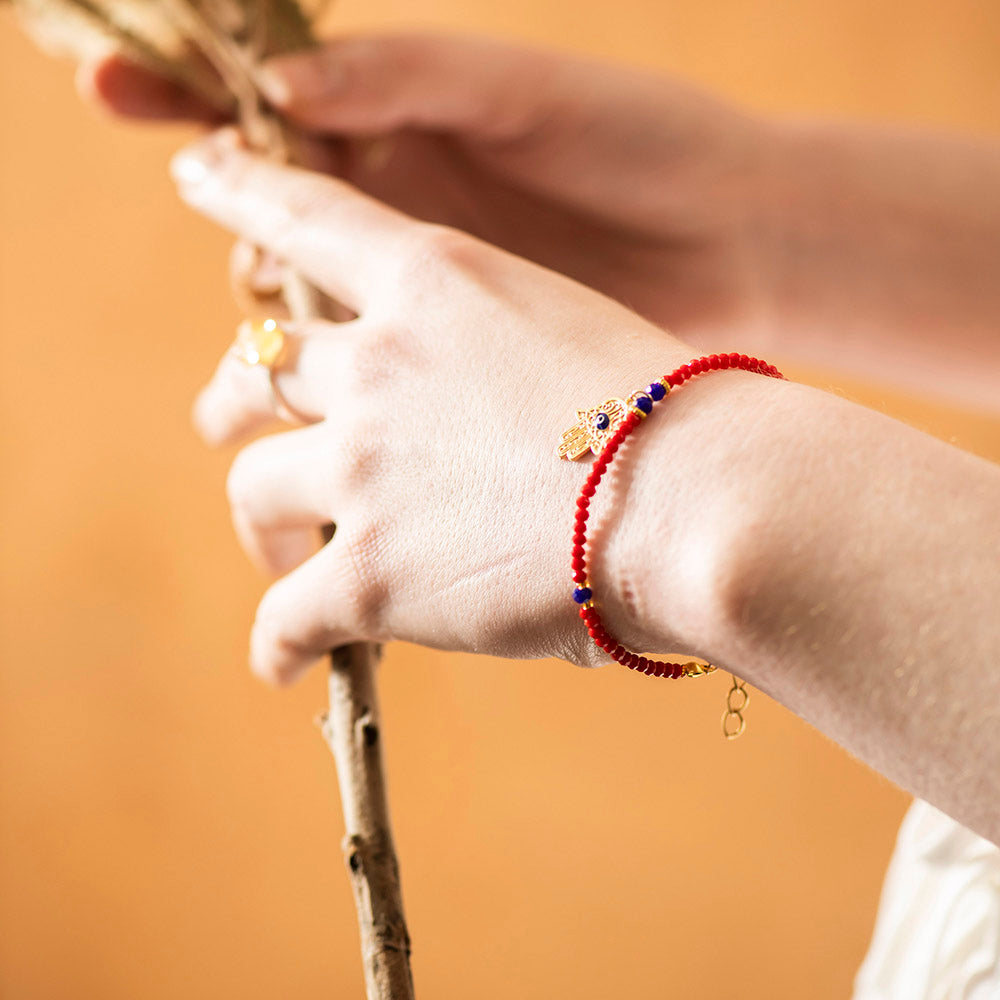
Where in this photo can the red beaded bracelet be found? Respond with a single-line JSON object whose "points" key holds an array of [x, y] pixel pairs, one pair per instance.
{"points": [[602, 430]]}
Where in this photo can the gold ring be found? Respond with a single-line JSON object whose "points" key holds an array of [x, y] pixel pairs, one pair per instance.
{"points": [[263, 343]]}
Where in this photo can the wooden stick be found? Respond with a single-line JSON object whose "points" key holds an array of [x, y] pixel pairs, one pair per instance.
{"points": [[351, 725], [353, 732]]}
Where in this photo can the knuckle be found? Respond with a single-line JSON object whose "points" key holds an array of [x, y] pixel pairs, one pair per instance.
{"points": [[390, 350], [363, 588], [434, 250], [360, 461], [303, 200]]}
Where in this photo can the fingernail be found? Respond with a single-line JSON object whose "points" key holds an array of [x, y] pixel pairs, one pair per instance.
{"points": [[274, 86], [286, 79], [192, 165], [189, 168]]}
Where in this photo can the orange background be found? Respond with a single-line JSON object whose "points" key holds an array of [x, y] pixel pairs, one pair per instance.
{"points": [[169, 828]]}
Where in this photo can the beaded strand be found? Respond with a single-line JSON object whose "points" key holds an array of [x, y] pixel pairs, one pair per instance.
{"points": [[639, 407]]}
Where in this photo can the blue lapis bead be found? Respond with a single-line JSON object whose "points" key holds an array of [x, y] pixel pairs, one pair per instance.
{"points": [[657, 391], [602, 421], [644, 403], [582, 594]]}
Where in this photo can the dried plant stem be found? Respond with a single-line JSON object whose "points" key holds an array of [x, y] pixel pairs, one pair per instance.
{"points": [[351, 725], [177, 29], [352, 730], [353, 733]]}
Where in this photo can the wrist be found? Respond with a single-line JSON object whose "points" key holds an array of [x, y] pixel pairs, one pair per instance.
{"points": [[669, 529]]}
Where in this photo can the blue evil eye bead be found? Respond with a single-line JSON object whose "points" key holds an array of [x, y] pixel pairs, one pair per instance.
{"points": [[643, 402], [602, 421], [657, 391], [582, 594]]}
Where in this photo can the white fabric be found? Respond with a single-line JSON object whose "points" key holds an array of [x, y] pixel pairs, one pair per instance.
{"points": [[937, 936]]}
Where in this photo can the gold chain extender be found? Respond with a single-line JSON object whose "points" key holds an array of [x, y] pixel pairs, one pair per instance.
{"points": [[733, 722]]}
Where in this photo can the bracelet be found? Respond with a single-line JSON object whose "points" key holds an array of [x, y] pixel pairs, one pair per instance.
{"points": [[602, 431]]}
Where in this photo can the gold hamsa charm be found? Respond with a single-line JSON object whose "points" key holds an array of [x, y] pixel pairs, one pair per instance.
{"points": [[592, 429]]}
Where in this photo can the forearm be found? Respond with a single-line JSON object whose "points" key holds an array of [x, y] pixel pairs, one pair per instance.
{"points": [[882, 249], [843, 562]]}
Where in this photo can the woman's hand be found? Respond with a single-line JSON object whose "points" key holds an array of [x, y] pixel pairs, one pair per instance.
{"points": [[836, 244], [644, 188], [841, 561], [435, 412]]}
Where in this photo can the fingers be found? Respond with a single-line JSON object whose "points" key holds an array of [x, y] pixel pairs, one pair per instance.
{"points": [[280, 497], [300, 618], [136, 92], [328, 231], [256, 279], [369, 86], [239, 400]]}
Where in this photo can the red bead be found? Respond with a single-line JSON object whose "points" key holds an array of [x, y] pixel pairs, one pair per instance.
{"points": [[641, 664], [583, 503], [658, 672], [723, 361], [676, 670], [713, 361], [579, 538], [697, 367], [744, 361], [685, 371], [588, 490], [577, 551], [617, 653], [734, 360], [579, 575]]}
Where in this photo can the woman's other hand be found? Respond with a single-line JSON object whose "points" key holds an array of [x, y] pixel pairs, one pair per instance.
{"points": [[643, 187]]}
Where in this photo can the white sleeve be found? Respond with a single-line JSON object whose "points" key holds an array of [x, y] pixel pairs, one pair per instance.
{"points": [[937, 936]]}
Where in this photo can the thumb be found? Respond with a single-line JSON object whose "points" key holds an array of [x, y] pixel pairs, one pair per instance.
{"points": [[373, 85]]}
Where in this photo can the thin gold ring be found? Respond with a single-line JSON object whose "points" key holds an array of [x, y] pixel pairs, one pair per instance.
{"points": [[264, 343]]}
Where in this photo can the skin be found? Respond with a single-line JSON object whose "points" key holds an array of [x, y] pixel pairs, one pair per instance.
{"points": [[839, 560], [834, 244]]}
